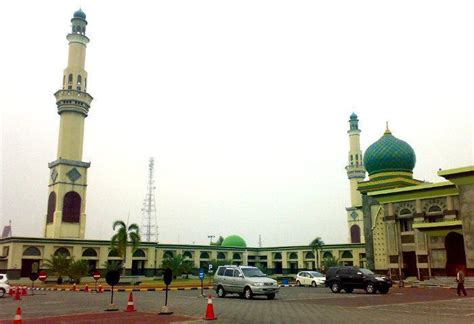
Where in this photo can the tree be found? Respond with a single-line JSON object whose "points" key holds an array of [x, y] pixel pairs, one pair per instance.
{"points": [[112, 265], [219, 241], [330, 261], [175, 263], [123, 237], [78, 269], [316, 245], [59, 265], [187, 267]]}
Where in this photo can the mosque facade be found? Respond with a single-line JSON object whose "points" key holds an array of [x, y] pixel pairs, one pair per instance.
{"points": [[396, 223]]}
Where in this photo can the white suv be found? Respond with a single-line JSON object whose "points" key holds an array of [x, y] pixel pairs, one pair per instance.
{"points": [[245, 281], [4, 286], [310, 278]]}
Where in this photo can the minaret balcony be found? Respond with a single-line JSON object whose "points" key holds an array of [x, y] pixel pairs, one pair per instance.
{"points": [[77, 38], [73, 100], [354, 172]]}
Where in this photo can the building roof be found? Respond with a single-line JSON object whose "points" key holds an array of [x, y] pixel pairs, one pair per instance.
{"points": [[389, 154]]}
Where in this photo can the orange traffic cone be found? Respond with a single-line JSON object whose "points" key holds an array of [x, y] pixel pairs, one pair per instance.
{"points": [[17, 319], [17, 293], [210, 310], [130, 306], [73, 287], [100, 289], [87, 288]]}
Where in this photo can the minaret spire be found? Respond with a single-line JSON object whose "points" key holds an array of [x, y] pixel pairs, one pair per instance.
{"points": [[356, 173], [68, 178]]}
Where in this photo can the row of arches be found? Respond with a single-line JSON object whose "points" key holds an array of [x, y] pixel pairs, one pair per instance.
{"points": [[33, 251], [71, 207], [70, 82], [310, 255], [203, 255]]}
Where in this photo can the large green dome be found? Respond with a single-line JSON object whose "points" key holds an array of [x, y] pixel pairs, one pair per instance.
{"points": [[389, 154], [234, 241]]}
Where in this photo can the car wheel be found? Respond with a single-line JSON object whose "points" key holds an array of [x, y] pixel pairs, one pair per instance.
{"points": [[348, 290], [220, 292], [335, 287], [2, 292], [298, 283], [383, 290], [370, 288], [313, 284], [271, 296], [248, 293]]}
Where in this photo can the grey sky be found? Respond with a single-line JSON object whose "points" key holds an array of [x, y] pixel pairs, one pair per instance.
{"points": [[243, 104]]}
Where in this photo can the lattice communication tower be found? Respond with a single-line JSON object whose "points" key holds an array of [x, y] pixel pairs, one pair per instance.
{"points": [[149, 224]]}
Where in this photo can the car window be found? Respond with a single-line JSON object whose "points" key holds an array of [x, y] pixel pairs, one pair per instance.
{"points": [[344, 271], [253, 272], [316, 274], [229, 273], [1, 277], [221, 271], [236, 273], [366, 271]]}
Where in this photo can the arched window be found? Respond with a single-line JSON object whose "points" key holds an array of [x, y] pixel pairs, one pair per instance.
{"points": [[221, 256], [32, 251], [51, 207], [293, 256], [69, 78], [327, 254], [72, 207], [64, 80], [79, 81], [434, 209], [168, 254], [187, 255], [277, 256], [404, 212], [89, 253], [139, 253], [309, 255], [346, 255], [113, 253], [62, 251], [236, 256], [355, 234], [204, 255]]}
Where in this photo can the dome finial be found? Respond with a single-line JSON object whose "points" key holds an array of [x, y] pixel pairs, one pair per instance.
{"points": [[387, 130]]}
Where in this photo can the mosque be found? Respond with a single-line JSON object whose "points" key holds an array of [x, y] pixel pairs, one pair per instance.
{"points": [[396, 223]]}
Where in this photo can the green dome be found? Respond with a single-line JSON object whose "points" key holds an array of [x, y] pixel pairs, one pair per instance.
{"points": [[389, 154], [80, 14], [234, 241], [353, 116]]}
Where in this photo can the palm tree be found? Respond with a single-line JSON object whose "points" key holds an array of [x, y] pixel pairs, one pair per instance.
{"points": [[59, 265], [78, 269], [175, 263], [219, 241], [330, 261], [316, 245], [123, 237]]}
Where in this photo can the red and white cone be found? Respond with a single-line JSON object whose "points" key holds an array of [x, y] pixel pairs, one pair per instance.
{"points": [[130, 306], [17, 319], [100, 289], [73, 287], [11, 292], [17, 293], [87, 288], [24, 292], [210, 310]]}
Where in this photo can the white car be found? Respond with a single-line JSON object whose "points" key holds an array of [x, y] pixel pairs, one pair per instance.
{"points": [[4, 286], [310, 278]]}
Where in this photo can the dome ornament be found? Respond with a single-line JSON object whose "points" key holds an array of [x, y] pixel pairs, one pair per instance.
{"points": [[387, 130]]}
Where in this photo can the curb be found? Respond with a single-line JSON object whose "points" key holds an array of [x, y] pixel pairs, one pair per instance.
{"points": [[120, 289]]}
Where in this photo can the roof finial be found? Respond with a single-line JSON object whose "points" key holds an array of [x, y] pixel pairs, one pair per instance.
{"points": [[387, 130]]}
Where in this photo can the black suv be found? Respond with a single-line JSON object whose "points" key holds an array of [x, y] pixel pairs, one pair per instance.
{"points": [[350, 278]]}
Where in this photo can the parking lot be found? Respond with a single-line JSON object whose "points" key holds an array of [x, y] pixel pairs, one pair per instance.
{"points": [[292, 305]]}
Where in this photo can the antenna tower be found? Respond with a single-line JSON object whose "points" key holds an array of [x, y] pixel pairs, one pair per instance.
{"points": [[149, 222]]}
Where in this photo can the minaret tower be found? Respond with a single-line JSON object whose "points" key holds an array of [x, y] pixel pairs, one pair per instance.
{"points": [[66, 216], [355, 172]]}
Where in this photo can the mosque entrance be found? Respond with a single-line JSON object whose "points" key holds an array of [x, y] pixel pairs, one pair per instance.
{"points": [[28, 266], [455, 254], [409, 264]]}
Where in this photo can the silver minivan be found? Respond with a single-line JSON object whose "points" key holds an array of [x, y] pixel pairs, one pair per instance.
{"points": [[245, 281]]}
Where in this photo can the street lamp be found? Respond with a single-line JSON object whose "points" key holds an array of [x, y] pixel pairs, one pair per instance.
{"points": [[211, 237]]}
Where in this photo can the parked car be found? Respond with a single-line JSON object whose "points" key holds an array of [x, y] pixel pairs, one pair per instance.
{"points": [[350, 278], [245, 281], [4, 286], [310, 278]]}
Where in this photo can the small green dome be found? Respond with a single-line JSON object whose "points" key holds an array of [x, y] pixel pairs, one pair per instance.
{"points": [[234, 241], [389, 154], [80, 14], [353, 116]]}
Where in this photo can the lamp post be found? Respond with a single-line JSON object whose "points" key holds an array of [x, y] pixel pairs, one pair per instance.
{"points": [[211, 237]]}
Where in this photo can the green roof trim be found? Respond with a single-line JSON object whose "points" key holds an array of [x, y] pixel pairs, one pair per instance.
{"points": [[421, 226]]}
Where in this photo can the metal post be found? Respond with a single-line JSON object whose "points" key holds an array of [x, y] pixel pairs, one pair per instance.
{"points": [[112, 296], [166, 296]]}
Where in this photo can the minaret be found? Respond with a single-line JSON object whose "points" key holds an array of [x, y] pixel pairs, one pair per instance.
{"points": [[355, 172], [68, 176]]}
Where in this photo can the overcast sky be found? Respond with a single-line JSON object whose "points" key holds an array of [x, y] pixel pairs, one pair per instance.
{"points": [[243, 104]]}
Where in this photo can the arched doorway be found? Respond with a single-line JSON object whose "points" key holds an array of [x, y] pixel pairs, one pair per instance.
{"points": [[455, 254]]}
